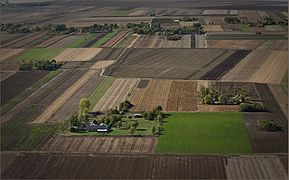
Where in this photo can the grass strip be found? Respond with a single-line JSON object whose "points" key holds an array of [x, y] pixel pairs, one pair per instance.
{"points": [[104, 39], [99, 91], [80, 42], [39, 54]]}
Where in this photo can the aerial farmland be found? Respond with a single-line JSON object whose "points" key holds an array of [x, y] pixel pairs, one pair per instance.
{"points": [[155, 89]]}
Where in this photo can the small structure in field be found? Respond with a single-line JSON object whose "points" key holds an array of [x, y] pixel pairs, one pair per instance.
{"points": [[92, 127]]}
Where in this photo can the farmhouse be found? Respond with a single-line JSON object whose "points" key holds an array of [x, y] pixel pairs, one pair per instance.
{"points": [[97, 127]]}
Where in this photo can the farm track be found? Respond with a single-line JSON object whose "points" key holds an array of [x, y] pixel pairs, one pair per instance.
{"points": [[117, 93], [219, 70], [114, 145], [19, 81]]}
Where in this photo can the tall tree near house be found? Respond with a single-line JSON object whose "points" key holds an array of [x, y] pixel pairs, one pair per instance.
{"points": [[84, 105]]}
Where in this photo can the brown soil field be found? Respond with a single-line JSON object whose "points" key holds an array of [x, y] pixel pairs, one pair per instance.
{"points": [[167, 63], [117, 93], [115, 39], [6, 74], [42, 97], [64, 42], [101, 20], [15, 38], [102, 64], [171, 95], [213, 28], [157, 41], [78, 54], [260, 66], [6, 37], [183, 96], [262, 141], [233, 44], [116, 145], [279, 45], [8, 53], [249, 15], [280, 96], [7, 159], [128, 39], [16, 83], [108, 53], [262, 14], [72, 104], [51, 41], [156, 93], [255, 167], [27, 41], [185, 42], [59, 102], [215, 12], [214, 20], [83, 166]]}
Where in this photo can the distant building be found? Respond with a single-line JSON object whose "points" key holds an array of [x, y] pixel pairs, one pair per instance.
{"points": [[97, 127]]}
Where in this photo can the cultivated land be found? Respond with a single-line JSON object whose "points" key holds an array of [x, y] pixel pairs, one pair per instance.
{"points": [[78, 54], [171, 95], [197, 141], [117, 93], [168, 63], [204, 133]]}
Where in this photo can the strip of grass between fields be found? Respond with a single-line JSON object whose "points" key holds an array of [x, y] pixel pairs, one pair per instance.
{"points": [[265, 45], [27, 92], [204, 133], [104, 39], [99, 91], [39, 54], [80, 42]]}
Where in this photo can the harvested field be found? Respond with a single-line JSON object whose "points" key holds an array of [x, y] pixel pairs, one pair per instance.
{"points": [[108, 53], [184, 42], [260, 66], [78, 54], [200, 41], [102, 64], [167, 63], [219, 70], [156, 93], [171, 95], [116, 145], [16, 83], [64, 42], [213, 28], [115, 39], [183, 96], [215, 12], [63, 166], [27, 41], [117, 93], [51, 41], [8, 53], [58, 103], [233, 44], [255, 167]]}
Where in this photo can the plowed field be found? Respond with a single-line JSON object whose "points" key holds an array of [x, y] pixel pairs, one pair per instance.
{"points": [[78, 54]]}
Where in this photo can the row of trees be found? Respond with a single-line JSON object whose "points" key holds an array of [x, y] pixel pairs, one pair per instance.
{"points": [[188, 19], [6, 3], [32, 65], [100, 28], [230, 95]]}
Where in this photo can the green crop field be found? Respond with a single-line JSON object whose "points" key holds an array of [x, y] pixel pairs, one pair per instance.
{"points": [[39, 54], [204, 133], [265, 45], [101, 89], [104, 39], [245, 28], [80, 42]]}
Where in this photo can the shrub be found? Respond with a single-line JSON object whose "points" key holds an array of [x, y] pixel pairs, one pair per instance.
{"points": [[267, 125], [132, 130], [255, 107], [119, 124], [135, 125]]}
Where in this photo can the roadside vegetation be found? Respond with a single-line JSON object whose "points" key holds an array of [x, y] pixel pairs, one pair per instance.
{"points": [[204, 133]]}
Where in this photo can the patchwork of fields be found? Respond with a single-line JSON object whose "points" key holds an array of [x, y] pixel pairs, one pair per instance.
{"points": [[236, 46]]}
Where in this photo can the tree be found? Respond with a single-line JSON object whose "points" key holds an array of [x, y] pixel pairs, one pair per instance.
{"points": [[84, 106], [159, 108], [135, 125], [73, 120], [132, 130], [153, 129], [119, 124]]}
